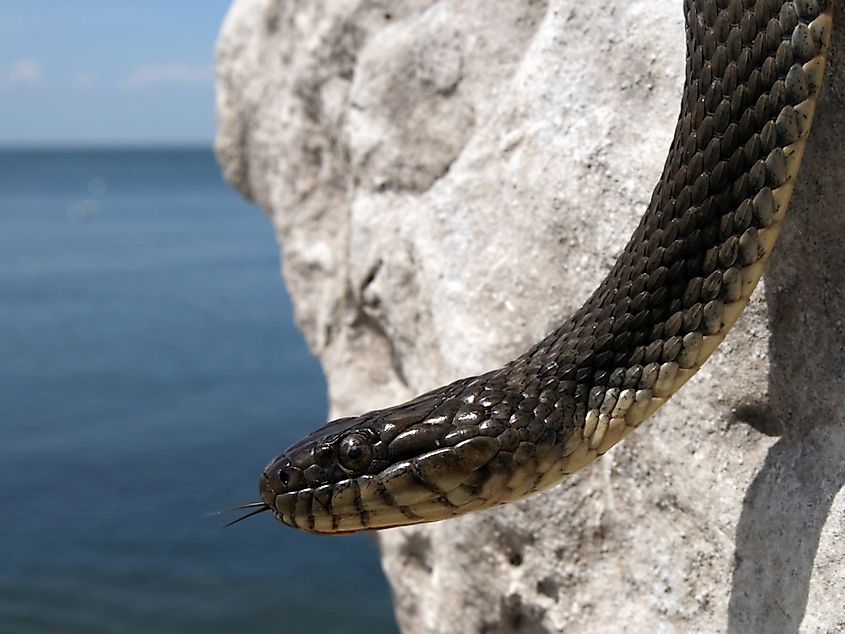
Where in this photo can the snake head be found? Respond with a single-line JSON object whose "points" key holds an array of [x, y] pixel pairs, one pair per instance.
{"points": [[300, 484], [423, 461], [342, 449]]}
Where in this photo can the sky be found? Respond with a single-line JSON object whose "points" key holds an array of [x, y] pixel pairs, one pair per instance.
{"points": [[108, 72]]}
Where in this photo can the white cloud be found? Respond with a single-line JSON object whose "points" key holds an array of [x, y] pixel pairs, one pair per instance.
{"points": [[85, 80], [172, 74], [22, 72]]}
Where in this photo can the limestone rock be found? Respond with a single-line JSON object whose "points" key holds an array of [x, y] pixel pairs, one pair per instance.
{"points": [[449, 179]]}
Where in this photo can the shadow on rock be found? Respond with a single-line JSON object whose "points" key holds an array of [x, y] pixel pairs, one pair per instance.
{"points": [[786, 506]]}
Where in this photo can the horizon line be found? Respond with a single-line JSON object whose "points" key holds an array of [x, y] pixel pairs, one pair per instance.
{"points": [[83, 146]]}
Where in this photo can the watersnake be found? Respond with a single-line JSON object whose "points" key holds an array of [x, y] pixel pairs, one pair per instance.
{"points": [[753, 74]]}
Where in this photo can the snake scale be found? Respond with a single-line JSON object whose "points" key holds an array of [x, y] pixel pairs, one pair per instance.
{"points": [[753, 74]]}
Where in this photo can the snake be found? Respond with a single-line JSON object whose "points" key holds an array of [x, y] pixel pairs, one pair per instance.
{"points": [[753, 73]]}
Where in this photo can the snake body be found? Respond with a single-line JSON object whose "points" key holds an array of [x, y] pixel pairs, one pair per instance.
{"points": [[753, 74]]}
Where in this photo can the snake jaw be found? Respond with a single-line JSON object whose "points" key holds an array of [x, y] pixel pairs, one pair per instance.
{"points": [[474, 474]]}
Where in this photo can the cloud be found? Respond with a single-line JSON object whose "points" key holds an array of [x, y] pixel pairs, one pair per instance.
{"points": [[85, 80], [169, 74], [22, 72]]}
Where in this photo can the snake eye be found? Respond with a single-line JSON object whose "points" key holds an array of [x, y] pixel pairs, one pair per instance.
{"points": [[354, 453]]}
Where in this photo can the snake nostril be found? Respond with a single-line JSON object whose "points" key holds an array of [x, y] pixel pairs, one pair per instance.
{"points": [[284, 478]]}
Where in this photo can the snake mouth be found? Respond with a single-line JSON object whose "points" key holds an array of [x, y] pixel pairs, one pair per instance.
{"points": [[421, 489], [434, 486]]}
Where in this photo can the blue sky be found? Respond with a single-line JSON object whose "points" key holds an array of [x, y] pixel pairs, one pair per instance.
{"points": [[115, 72]]}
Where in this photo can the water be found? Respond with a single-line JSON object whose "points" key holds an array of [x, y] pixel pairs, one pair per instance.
{"points": [[149, 367]]}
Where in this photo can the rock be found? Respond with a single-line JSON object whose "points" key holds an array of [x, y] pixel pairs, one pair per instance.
{"points": [[448, 180]]}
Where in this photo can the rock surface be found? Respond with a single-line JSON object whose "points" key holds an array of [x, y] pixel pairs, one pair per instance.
{"points": [[448, 179]]}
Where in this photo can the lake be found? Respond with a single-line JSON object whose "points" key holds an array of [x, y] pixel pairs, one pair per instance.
{"points": [[149, 368]]}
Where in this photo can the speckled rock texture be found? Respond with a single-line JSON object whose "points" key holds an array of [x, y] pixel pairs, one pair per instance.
{"points": [[449, 179]]}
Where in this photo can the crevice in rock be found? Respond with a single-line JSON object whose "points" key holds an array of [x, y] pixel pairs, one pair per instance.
{"points": [[365, 321], [515, 616], [416, 550]]}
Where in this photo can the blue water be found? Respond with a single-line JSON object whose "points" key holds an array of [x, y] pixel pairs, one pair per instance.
{"points": [[149, 367]]}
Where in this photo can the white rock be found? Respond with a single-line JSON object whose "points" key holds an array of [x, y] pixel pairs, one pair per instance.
{"points": [[451, 178]]}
